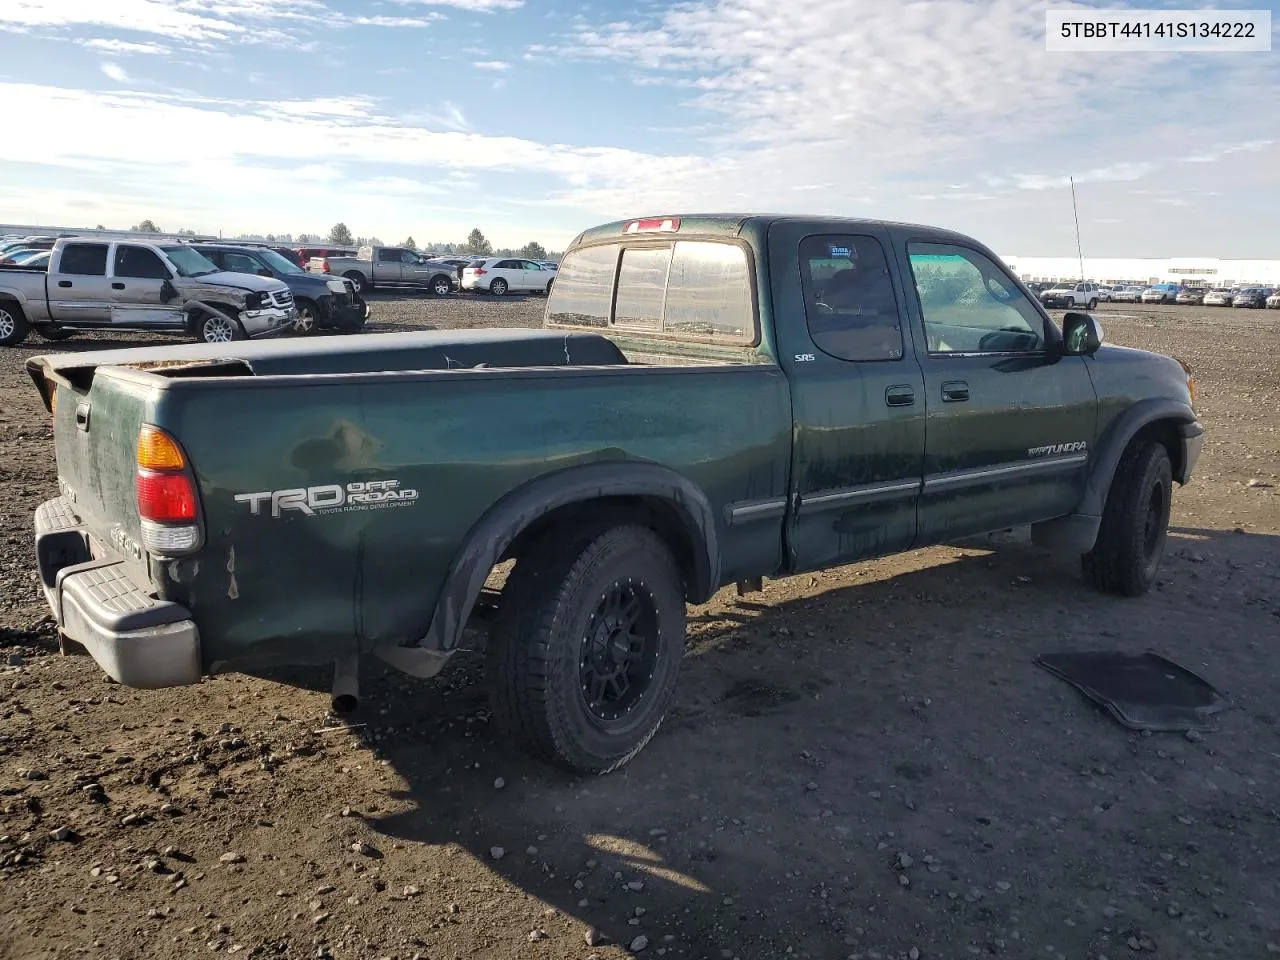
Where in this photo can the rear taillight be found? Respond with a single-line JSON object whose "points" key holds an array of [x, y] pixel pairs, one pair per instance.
{"points": [[167, 502], [478, 271], [325, 267]]}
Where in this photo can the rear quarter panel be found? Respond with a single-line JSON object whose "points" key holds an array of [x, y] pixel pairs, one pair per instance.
{"points": [[298, 588], [29, 288]]}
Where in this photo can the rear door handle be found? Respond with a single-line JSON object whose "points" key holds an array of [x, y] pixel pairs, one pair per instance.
{"points": [[64, 283], [899, 395], [117, 286], [954, 391]]}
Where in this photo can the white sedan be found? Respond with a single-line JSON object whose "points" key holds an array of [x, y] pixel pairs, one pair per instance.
{"points": [[501, 275]]}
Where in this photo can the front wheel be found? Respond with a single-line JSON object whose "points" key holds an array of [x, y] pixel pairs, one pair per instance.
{"points": [[441, 286], [357, 280], [587, 646], [498, 287], [305, 323], [13, 325], [1135, 523], [216, 328]]}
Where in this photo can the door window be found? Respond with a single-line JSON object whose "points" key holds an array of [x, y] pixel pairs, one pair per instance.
{"points": [[509, 265], [240, 263], [408, 256], [139, 263], [970, 305], [848, 298], [84, 259]]}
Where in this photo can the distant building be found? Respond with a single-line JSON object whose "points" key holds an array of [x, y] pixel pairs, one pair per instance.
{"points": [[1193, 271]]}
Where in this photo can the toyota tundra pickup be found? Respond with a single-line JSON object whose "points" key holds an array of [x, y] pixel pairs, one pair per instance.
{"points": [[712, 400], [101, 284]]}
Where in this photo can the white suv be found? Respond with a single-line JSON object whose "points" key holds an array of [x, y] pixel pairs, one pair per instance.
{"points": [[1069, 295], [500, 275]]}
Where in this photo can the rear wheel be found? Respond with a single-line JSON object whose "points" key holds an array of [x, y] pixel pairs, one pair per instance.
{"points": [[1093, 304], [549, 283], [308, 318], [587, 646], [216, 328], [13, 325], [498, 287], [1135, 523], [357, 280]]}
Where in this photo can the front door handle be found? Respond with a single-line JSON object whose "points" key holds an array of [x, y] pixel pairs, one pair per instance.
{"points": [[64, 283], [117, 286], [899, 395], [954, 391]]}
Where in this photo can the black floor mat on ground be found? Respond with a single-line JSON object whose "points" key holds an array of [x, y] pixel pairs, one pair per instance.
{"points": [[1143, 692]]}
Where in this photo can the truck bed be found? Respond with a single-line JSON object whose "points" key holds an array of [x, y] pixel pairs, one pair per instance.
{"points": [[460, 418]]}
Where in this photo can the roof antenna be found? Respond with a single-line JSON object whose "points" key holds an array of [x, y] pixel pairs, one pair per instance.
{"points": [[1076, 214]]}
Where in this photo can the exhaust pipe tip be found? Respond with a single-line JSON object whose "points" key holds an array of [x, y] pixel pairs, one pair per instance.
{"points": [[346, 685]]}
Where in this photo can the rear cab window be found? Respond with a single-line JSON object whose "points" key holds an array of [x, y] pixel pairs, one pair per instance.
{"points": [[849, 301], [84, 260], [695, 290]]}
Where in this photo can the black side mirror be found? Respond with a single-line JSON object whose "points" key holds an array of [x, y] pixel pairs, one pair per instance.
{"points": [[264, 272], [1081, 335], [167, 291]]}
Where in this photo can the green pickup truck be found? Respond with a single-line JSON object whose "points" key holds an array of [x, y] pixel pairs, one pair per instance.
{"points": [[713, 400]]}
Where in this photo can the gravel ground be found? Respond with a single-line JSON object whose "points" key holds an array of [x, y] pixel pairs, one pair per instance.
{"points": [[861, 763]]}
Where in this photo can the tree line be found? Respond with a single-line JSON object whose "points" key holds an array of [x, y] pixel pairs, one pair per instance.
{"points": [[476, 244]]}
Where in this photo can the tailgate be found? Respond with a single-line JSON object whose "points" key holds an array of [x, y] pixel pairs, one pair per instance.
{"points": [[96, 422]]}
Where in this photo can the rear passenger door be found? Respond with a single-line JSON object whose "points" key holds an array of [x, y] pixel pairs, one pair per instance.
{"points": [[80, 291], [138, 280], [857, 393], [1011, 420]]}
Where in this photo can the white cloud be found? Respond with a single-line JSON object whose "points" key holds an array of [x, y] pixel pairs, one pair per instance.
{"points": [[471, 6], [123, 47], [495, 65], [262, 159], [114, 71]]}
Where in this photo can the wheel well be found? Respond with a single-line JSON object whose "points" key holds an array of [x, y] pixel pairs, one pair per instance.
{"points": [[11, 303], [1164, 432], [657, 514]]}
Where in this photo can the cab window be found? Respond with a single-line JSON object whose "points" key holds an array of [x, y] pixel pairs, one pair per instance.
{"points": [[139, 263], [848, 298], [970, 305], [84, 259]]}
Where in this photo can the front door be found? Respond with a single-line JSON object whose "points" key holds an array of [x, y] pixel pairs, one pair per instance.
{"points": [[137, 284], [387, 266], [80, 291], [1011, 419], [857, 394]]}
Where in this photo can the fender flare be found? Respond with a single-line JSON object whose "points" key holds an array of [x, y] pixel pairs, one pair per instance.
{"points": [[1078, 531], [1112, 445], [490, 537]]}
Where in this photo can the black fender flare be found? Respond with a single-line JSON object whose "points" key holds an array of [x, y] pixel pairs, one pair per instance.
{"points": [[1112, 445], [1078, 531], [494, 532]]}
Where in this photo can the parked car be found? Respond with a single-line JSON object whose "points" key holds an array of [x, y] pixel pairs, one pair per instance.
{"points": [[1126, 294], [1273, 301], [18, 254], [651, 454], [1219, 297], [321, 302], [137, 285], [501, 275], [1105, 292], [1190, 295], [1161, 293], [27, 243], [1071, 294], [1252, 297], [396, 268], [33, 259]]}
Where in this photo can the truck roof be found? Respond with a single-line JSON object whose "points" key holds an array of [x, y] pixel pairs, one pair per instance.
{"points": [[738, 224]]}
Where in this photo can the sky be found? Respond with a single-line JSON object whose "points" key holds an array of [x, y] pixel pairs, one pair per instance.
{"points": [[535, 119]]}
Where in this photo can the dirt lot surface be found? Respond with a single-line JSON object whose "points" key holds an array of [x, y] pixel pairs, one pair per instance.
{"points": [[864, 763]]}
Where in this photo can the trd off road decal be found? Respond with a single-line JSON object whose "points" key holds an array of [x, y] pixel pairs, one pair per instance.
{"points": [[331, 498], [1079, 446]]}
